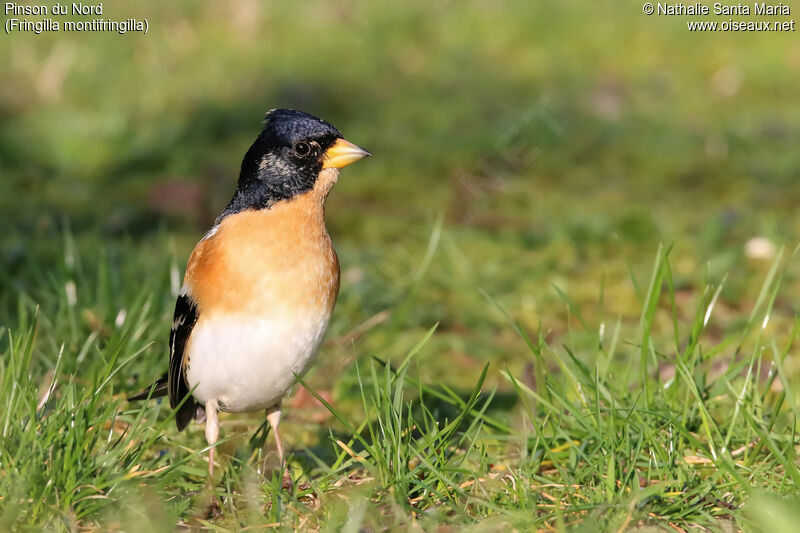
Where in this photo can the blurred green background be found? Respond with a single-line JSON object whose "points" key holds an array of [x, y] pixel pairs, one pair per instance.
{"points": [[529, 160], [558, 142]]}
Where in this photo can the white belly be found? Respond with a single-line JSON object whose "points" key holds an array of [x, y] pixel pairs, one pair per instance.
{"points": [[248, 363]]}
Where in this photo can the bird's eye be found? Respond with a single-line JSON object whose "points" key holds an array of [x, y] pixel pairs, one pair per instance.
{"points": [[302, 149]]}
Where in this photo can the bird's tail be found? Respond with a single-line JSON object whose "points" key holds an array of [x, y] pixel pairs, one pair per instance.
{"points": [[156, 390], [186, 412]]}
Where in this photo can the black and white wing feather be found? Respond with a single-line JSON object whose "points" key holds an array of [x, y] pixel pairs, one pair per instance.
{"points": [[183, 322]]}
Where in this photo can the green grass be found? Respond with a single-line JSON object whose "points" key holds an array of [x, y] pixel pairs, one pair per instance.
{"points": [[548, 315], [622, 423]]}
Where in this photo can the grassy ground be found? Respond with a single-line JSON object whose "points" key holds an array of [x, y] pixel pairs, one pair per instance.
{"points": [[550, 316]]}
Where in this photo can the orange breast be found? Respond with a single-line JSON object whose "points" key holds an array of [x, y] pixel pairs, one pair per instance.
{"points": [[276, 260]]}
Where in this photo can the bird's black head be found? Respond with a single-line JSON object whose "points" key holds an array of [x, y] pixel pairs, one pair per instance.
{"points": [[287, 158]]}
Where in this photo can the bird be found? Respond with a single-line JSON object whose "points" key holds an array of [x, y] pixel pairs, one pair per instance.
{"points": [[260, 287]]}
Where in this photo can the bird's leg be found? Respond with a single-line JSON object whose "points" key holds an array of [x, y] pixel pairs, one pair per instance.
{"points": [[212, 434], [274, 418]]}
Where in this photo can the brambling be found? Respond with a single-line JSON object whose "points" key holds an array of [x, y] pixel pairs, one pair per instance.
{"points": [[260, 287]]}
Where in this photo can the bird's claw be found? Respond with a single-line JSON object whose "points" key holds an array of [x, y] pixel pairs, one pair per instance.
{"points": [[213, 510], [287, 483]]}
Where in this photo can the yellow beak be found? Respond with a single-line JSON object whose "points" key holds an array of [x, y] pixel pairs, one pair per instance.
{"points": [[342, 153]]}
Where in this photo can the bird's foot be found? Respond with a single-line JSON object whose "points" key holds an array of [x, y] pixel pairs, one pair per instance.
{"points": [[213, 510], [287, 483]]}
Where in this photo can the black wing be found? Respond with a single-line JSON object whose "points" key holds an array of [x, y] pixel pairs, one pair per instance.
{"points": [[182, 324]]}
